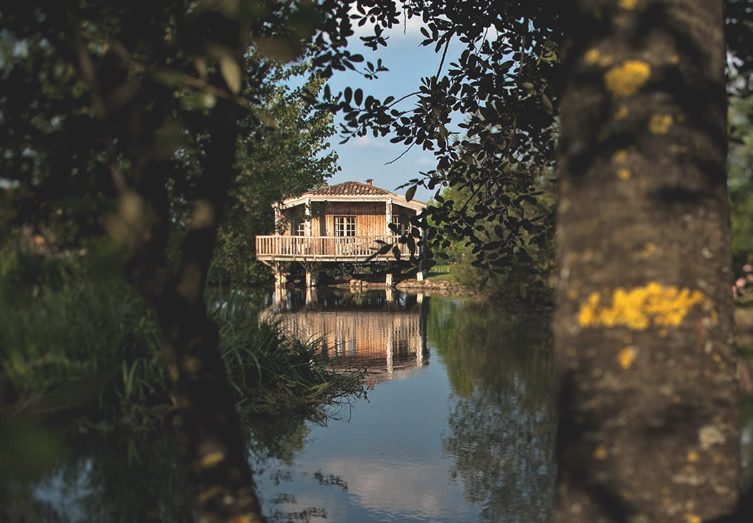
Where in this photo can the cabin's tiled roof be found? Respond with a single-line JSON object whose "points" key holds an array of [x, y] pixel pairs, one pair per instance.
{"points": [[349, 189]]}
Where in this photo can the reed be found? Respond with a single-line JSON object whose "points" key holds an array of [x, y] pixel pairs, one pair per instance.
{"points": [[88, 347]]}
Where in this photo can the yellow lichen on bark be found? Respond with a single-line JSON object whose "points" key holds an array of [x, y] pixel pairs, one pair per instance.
{"points": [[693, 518], [648, 249], [640, 307], [208, 494], [620, 156], [660, 123], [211, 459], [624, 174], [626, 357], [592, 56], [627, 78], [678, 149]]}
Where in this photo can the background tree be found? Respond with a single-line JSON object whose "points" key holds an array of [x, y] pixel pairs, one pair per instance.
{"points": [[527, 257], [741, 179], [288, 156], [488, 116]]}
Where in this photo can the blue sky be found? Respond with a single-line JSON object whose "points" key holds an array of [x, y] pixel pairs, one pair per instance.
{"points": [[407, 61]]}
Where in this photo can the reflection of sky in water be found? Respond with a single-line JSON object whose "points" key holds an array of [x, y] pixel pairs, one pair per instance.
{"points": [[67, 492], [419, 450], [390, 455], [459, 432]]}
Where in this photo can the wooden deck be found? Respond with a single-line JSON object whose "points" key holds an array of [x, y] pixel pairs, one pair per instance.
{"points": [[324, 248]]}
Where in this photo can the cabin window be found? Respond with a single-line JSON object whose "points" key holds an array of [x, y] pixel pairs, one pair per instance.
{"points": [[400, 222], [300, 228], [345, 225]]}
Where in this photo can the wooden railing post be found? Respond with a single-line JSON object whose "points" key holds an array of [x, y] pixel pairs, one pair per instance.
{"points": [[316, 247]]}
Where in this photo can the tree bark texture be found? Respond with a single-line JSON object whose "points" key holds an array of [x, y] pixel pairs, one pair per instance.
{"points": [[221, 475], [222, 479], [644, 329]]}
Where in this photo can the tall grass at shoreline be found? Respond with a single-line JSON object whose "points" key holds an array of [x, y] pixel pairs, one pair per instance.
{"points": [[88, 347], [85, 397]]}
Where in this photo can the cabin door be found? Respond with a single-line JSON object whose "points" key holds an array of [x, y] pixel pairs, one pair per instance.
{"points": [[345, 235]]}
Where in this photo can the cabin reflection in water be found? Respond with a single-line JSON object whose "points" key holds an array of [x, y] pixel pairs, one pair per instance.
{"points": [[383, 332]]}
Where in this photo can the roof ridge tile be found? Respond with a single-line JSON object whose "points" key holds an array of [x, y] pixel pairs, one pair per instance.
{"points": [[350, 188]]}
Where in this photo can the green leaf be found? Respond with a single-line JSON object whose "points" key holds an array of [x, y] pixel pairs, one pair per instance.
{"points": [[231, 72], [384, 249], [410, 193]]}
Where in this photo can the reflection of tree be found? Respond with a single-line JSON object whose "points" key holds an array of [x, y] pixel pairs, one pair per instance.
{"points": [[502, 424], [139, 477], [109, 479]]}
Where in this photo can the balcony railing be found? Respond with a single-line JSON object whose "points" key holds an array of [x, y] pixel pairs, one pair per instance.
{"points": [[324, 247]]}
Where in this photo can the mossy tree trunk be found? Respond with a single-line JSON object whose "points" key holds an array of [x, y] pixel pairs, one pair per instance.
{"points": [[644, 329]]}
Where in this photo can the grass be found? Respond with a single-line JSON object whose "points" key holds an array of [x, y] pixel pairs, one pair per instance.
{"points": [[441, 269], [83, 387], [447, 276], [88, 349]]}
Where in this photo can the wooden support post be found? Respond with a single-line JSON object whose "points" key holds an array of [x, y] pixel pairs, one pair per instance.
{"points": [[423, 313], [389, 279], [312, 276], [281, 277], [307, 213], [311, 295], [278, 298], [388, 217], [421, 258], [390, 348], [417, 345]]}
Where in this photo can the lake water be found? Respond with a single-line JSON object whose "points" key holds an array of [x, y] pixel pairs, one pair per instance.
{"points": [[458, 423]]}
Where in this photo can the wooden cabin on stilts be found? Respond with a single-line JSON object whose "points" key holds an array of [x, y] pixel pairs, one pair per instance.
{"points": [[343, 223]]}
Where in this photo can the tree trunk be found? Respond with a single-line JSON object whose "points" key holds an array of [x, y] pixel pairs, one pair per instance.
{"points": [[127, 99], [223, 484], [643, 328], [223, 487]]}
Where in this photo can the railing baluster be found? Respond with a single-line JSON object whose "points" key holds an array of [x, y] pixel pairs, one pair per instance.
{"points": [[341, 247]]}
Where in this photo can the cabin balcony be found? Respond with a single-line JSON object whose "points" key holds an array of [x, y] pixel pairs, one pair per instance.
{"points": [[277, 248]]}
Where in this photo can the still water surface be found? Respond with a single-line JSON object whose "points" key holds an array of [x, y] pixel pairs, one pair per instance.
{"points": [[457, 425]]}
